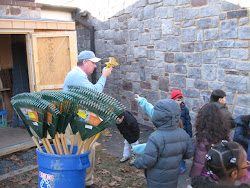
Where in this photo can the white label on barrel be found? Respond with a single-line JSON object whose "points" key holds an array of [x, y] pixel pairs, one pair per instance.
{"points": [[46, 176]]}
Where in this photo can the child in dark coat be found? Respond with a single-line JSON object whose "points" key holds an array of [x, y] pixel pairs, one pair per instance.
{"points": [[218, 97], [166, 147], [242, 136], [177, 96], [185, 118], [129, 128], [242, 130]]}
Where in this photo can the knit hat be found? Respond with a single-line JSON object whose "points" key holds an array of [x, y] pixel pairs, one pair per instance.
{"points": [[176, 94]]}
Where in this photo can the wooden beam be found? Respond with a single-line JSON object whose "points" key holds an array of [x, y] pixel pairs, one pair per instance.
{"points": [[30, 63], [45, 87], [17, 172], [36, 24]]}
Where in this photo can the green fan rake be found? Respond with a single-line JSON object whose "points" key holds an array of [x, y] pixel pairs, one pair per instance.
{"points": [[37, 114], [95, 114], [62, 103], [83, 109]]}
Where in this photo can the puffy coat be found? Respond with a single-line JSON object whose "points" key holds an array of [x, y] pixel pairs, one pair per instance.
{"points": [[148, 108], [242, 132], [224, 109], [186, 120], [165, 148], [129, 128], [199, 158]]}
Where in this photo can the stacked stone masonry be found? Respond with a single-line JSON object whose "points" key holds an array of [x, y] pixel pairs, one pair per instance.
{"points": [[22, 9], [195, 46]]}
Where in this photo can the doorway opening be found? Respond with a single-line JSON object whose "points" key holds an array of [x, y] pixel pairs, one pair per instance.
{"points": [[14, 77]]}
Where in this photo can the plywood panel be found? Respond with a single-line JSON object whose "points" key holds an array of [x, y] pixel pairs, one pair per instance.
{"points": [[55, 64], [54, 55], [5, 52]]}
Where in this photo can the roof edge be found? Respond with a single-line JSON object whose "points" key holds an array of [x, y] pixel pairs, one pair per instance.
{"points": [[58, 8]]}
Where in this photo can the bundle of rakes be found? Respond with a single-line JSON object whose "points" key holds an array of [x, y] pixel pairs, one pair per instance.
{"points": [[48, 113]]}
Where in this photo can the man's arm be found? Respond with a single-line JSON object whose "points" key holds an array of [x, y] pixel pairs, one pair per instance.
{"points": [[77, 78], [99, 86]]}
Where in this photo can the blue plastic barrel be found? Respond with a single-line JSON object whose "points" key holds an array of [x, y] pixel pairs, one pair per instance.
{"points": [[62, 171], [3, 118]]}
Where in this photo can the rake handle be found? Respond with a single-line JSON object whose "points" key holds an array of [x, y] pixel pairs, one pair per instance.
{"points": [[45, 145], [58, 143], [87, 143], [80, 148], [65, 148], [235, 97], [49, 146], [56, 147], [37, 144], [72, 143], [79, 139], [96, 138]]}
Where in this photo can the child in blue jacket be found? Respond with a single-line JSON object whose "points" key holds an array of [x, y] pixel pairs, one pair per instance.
{"points": [[177, 96], [242, 136]]}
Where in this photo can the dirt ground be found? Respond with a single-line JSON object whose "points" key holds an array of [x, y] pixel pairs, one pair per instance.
{"points": [[108, 172]]}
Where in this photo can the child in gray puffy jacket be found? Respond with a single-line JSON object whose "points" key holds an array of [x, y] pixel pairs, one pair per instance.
{"points": [[166, 147]]}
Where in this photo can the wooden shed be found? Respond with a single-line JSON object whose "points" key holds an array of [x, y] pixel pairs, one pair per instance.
{"points": [[36, 53]]}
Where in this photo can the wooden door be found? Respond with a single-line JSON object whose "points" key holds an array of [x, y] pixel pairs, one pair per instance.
{"points": [[53, 55]]}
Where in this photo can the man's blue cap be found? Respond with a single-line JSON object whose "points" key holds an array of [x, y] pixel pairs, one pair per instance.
{"points": [[88, 55]]}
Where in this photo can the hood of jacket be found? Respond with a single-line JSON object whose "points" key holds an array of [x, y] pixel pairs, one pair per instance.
{"points": [[238, 121], [166, 113]]}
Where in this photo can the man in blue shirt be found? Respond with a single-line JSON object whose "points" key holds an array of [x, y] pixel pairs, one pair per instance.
{"points": [[85, 67], [79, 76]]}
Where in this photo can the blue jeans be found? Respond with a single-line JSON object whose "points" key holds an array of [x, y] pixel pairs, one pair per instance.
{"points": [[183, 164]]}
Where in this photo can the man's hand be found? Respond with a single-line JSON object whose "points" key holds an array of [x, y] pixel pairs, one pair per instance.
{"points": [[106, 71]]}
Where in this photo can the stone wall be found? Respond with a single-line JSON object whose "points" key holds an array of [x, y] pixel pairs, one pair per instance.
{"points": [[26, 9], [195, 46]]}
